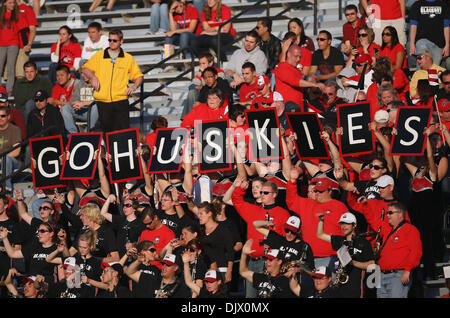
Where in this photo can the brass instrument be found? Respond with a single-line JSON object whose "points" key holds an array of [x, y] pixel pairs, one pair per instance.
{"points": [[341, 277], [161, 293], [296, 263]]}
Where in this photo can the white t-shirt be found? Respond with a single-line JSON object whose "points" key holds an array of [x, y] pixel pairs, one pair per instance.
{"points": [[98, 46]]}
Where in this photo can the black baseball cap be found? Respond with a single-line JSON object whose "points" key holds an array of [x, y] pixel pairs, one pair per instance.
{"points": [[40, 95]]}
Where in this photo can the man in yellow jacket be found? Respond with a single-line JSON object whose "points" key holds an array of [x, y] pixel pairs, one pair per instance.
{"points": [[109, 72]]}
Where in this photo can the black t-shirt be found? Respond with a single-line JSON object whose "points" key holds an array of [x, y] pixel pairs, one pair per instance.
{"points": [[311, 292], [149, 282], [91, 267], [172, 221], [219, 246], [204, 293], [126, 232], [222, 85], [430, 16], [368, 189], [35, 260], [292, 250], [106, 241], [61, 290], [231, 226], [326, 66], [360, 251], [271, 287], [118, 292], [176, 289], [5, 261]]}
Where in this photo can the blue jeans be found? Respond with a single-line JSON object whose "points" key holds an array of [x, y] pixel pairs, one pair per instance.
{"points": [[70, 115], [256, 266], [392, 286], [159, 17], [183, 40], [11, 164], [198, 4]]}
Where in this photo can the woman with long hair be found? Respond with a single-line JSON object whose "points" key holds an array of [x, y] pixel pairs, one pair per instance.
{"points": [[365, 45], [9, 44], [425, 93], [392, 48], [193, 259], [213, 15], [295, 25]]}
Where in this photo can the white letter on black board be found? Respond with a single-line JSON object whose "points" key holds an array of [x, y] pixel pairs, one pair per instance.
{"points": [[351, 128], [128, 154], [72, 156], [260, 134], [308, 136], [55, 163], [412, 131], [174, 151], [211, 144]]}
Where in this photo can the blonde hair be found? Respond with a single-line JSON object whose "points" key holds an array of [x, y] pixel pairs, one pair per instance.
{"points": [[89, 236], [92, 212]]}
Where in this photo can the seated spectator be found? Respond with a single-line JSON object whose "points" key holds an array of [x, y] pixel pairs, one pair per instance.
{"points": [[392, 48], [215, 108], [443, 108], [10, 136], [249, 53], [350, 84], [253, 85], [386, 94], [429, 21], [158, 122], [15, 116], [96, 41], [66, 51], [159, 18], [425, 61], [270, 44], [184, 24], [350, 29], [327, 62], [365, 45], [306, 55], [43, 116], [295, 25], [212, 79], [96, 3], [444, 92], [425, 94], [62, 91], [213, 15], [327, 103], [28, 86], [289, 79], [81, 99]]}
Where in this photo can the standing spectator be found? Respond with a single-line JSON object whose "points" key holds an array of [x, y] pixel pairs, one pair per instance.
{"points": [[171, 283], [295, 25], [28, 86], [112, 275], [327, 61], [382, 13], [359, 249], [9, 35], [62, 91], [77, 107], [270, 44], [184, 24], [213, 286], [10, 136], [213, 15], [322, 277], [159, 18], [249, 53], [392, 48], [96, 41], [400, 253], [289, 80], [66, 51], [109, 72], [27, 32], [444, 92], [430, 28], [350, 29], [425, 61]]}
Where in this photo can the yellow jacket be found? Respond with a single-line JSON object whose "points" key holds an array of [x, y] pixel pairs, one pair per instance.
{"points": [[113, 75], [422, 74]]}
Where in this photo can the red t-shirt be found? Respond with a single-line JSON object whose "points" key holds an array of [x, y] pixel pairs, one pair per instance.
{"points": [[249, 91], [386, 9], [160, 237], [370, 49], [204, 112], [68, 53], [184, 20], [392, 54], [306, 58], [9, 32], [63, 93], [350, 33], [27, 17], [401, 84], [287, 80], [226, 14], [150, 139]]}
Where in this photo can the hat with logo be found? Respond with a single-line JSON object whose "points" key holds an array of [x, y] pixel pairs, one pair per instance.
{"points": [[323, 184], [114, 265], [211, 276], [348, 218], [70, 263], [3, 97], [277, 97], [384, 181], [273, 253], [322, 271], [363, 58], [293, 223], [40, 95], [169, 259], [443, 105]]}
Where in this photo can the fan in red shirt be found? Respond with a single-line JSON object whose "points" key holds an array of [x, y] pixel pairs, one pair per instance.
{"points": [[350, 28], [155, 232], [289, 79], [392, 49], [62, 91], [66, 50], [444, 112], [158, 122], [215, 108], [306, 55], [253, 86]]}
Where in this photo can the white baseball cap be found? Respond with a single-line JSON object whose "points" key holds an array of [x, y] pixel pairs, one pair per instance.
{"points": [[348, 218]]}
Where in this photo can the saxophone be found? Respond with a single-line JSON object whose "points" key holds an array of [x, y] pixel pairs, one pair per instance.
{"points": [[341, 277], [295, 263], [162, 293]]}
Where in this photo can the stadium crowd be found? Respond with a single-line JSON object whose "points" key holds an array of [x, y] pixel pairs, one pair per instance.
{"points": [[264, 229]]}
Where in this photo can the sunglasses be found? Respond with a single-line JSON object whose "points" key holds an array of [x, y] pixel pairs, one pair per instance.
{"points": [[375, 167], [392, 212], [321, 39], [348, 14], [265, 192], [152, 250], [419, 57], [128, 205], [3, 116], [289, 231], [387, 34], [44, 208], [191, 249], [39, 99], [113, 40], [359, 64], [108, 270], [43, 231], [364, 35], [317, 191], [445, 83]]}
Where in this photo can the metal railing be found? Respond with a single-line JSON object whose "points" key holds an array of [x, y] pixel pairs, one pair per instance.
{"points": [[144, 95], [235, 17], [6, 152]]}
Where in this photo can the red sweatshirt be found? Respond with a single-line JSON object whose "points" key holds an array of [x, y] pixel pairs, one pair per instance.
{"points": [[204, 112], [251, 212], [308, 209]]}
